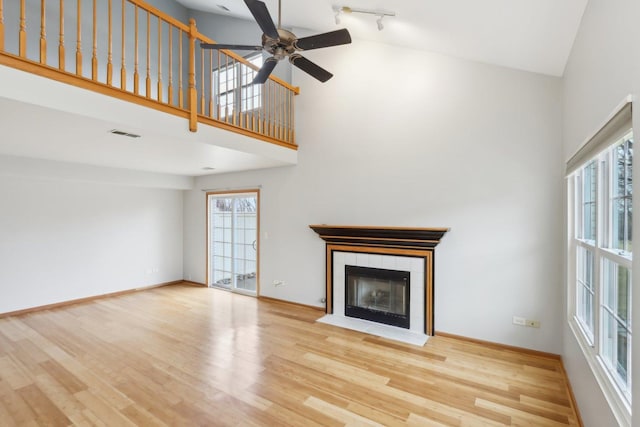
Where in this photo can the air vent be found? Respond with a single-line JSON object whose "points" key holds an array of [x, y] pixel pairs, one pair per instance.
{"points": [[208, 168], [223, 7], [123, 133]]}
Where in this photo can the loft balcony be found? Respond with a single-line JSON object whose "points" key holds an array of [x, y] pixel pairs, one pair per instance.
{"points": [[89, 66]]}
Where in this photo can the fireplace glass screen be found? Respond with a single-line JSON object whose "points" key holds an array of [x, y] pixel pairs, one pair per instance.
{"points": [[377, 295]]}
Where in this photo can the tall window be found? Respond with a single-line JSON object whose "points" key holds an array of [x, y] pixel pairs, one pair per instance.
{"points": [[233, 88], [601, 252]]}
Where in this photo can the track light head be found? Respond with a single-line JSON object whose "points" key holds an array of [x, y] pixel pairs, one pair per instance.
{"points": [[379, 22]]}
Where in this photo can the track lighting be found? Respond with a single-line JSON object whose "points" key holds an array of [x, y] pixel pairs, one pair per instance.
{"points": [[346, 9]]}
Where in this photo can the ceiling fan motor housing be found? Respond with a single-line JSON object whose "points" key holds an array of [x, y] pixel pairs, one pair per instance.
{"points": [[284, 46]]}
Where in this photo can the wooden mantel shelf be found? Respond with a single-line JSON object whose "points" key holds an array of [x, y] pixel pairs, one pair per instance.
{"points": [[395, 237]]}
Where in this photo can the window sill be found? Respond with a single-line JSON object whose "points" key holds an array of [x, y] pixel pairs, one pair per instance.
{"points": [[619, 405]]}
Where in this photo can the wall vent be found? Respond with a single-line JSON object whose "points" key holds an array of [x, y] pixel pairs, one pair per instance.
{"points": [[123, 133]]}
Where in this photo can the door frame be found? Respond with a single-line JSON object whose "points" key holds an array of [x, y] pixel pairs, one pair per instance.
{"points": [[207, 236]]}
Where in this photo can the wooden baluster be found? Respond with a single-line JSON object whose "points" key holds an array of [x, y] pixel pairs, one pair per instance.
{"points": [[1, 26], [148, 79], [22, 35], [289, 114], [136, 75], [202, 100], [43, 32], [159, 59], [94, 54], [293, 118], [193, 95], [218, 97], [263, 109], [110, 48], [226, 88], [170, 89], [79, 40], [61, 52], [180, 85], [123, 67], [278, 122], [210, 83]]}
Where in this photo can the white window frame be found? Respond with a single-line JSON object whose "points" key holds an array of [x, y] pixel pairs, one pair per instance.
{"points": [[591, 342], [236, 85]]}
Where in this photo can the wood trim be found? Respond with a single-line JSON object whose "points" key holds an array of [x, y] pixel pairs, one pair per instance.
{"points": [[161, 14], [282, 301], [192, 283], [572, 397], [368, 227], [95, 86], [425, 254], [233, 128], [86, 299], [84, 83], [381, 236], [207, 259], [500, 346]]}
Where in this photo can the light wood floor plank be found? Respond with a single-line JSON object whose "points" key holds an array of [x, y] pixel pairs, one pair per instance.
{"points": [[186, 356]]}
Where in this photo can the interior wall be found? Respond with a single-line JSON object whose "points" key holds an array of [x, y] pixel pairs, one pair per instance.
{"points": [[71, 237], [407, 138], [604, 67]]}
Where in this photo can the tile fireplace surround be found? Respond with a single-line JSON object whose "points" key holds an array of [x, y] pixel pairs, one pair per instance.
{"points": [[393, 248]]}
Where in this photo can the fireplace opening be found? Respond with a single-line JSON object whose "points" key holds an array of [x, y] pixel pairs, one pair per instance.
{"points": [[378, 295]]}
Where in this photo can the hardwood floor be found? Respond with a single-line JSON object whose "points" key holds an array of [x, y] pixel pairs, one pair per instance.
{"points": [[183, 355]]}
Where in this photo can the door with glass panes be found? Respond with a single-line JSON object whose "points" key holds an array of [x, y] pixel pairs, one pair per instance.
{"points": [[233, 241]]}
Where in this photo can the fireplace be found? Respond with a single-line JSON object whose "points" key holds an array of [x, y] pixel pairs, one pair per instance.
{"points": [[401, 249], [378, 295]]}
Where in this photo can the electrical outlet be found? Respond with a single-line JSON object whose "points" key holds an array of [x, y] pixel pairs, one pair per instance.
{"points": [[533, 323], [519, 321], [323, 300]]}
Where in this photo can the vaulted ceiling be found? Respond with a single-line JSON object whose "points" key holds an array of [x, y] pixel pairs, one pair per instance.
{"points": [[530, 35]]}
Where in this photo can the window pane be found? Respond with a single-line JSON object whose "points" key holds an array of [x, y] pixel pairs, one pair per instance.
{"points": [[589, 202], [623, 294], [616, 306], [585, 286]]}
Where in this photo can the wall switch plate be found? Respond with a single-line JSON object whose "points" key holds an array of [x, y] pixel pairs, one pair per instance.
{"points": [[519, 321]]}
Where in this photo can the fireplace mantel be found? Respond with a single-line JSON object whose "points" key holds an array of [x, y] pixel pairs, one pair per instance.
{"points": [[391, 237], [391, 241]]}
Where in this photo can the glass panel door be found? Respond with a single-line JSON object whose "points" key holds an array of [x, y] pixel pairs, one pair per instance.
{"points": [[233, 241]]}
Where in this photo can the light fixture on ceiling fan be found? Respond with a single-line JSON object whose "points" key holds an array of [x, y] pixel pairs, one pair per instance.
{"points": [[281, 43]]}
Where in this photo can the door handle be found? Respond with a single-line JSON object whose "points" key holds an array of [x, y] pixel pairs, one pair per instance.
{"points": [[254, 244]]}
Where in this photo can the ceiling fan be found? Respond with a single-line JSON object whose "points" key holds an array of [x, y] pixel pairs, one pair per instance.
{"points": [[281, 43]]}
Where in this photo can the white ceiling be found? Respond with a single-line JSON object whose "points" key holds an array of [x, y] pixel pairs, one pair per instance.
{"points": [[531, 35]]}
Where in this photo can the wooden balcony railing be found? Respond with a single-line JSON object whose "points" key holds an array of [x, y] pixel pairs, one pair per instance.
{"points": [[132, 51]]}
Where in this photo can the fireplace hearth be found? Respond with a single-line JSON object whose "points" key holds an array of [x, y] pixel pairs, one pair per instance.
{"points": [[378, 295]]}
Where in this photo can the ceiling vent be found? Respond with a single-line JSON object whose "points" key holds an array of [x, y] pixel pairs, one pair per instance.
{"points": [[123, 133]]}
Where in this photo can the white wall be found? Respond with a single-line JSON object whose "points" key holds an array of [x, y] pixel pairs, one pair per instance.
{"points": [[604, 67], [64, 238], [406, 138]]}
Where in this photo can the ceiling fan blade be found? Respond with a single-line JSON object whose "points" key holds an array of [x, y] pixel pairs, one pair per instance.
{"points": [[261, 15], [310, 68], [265, 71], [333, 38], [229, 46]]}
